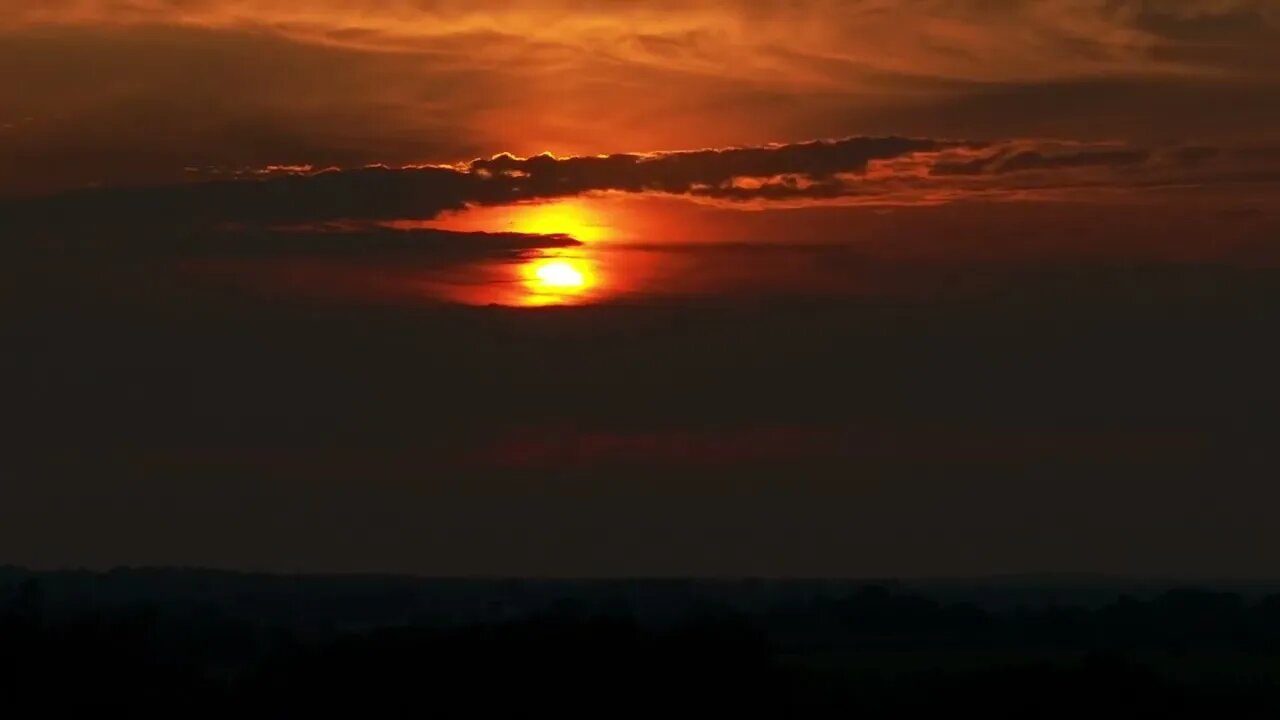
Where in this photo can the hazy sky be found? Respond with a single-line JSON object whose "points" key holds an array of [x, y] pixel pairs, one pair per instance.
{"points": [[129, 91], [997, 277], [389, 110]]}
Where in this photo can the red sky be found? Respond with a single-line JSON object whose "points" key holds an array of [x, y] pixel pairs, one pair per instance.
{"points": [[129, 91], [1033, 237], [905, 131]]}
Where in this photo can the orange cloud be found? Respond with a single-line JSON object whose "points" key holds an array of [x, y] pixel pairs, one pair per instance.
{"points": [[1020, 40], [234, 84]]}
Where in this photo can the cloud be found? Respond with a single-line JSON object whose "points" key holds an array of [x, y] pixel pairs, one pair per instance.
{"points": [[972, 39], [856, 170], [333, 240], [381, 193], [682, 172], [231, 84], [1007, 161]]}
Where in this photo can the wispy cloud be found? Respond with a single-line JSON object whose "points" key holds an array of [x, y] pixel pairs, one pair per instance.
{"points": [[249, 83], [972, 39]]}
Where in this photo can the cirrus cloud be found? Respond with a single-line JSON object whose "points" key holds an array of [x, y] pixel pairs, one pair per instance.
{"points": [[131, 92]]}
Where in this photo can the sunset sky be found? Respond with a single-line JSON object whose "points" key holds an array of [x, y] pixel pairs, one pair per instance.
{"points": [[213, 199]]}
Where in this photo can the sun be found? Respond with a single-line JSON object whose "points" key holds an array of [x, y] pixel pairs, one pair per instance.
{"points": [[557, 280], [559, 274]]}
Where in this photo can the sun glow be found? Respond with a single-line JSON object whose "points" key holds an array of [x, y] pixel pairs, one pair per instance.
{"points": [[557, 272], [565, 276], [565, 217]]}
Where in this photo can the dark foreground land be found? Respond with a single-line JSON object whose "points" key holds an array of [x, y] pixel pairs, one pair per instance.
{"points": [[197, 643]]}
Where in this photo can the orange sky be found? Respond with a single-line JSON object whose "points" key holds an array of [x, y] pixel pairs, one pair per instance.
{"points": [[254, 226], [112, 91], [901, 130]]}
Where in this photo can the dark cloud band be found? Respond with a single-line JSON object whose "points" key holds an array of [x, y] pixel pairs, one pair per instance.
{"points": [[381, 193], [888, 170]]}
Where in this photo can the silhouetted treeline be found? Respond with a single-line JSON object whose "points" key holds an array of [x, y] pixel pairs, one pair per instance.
{"points": [[874, 648]]}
